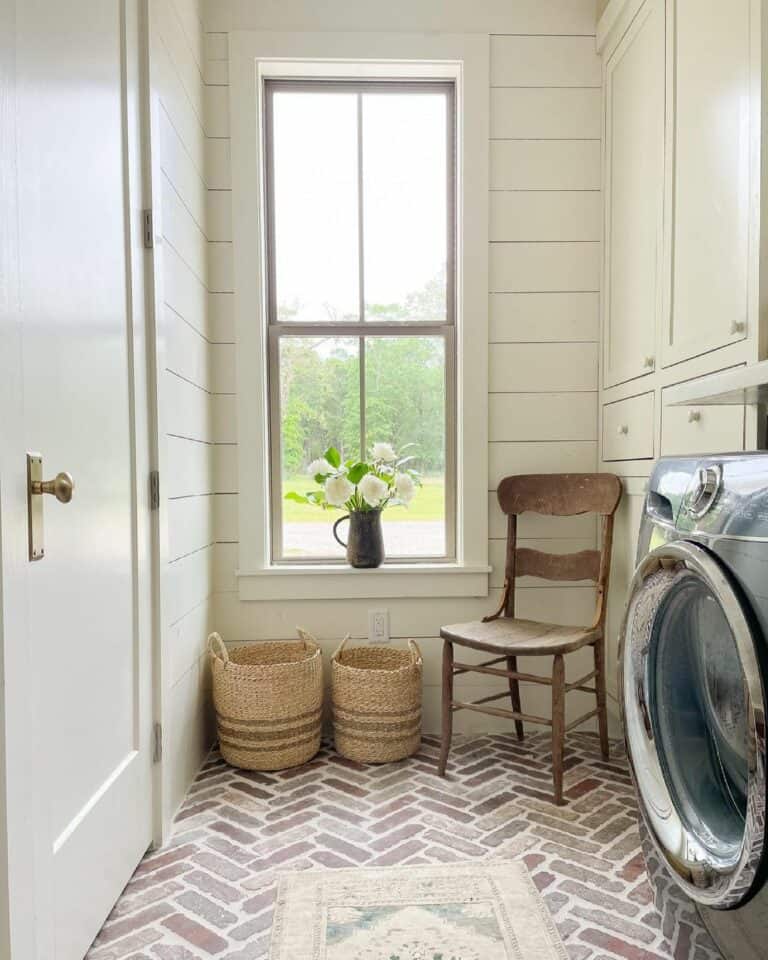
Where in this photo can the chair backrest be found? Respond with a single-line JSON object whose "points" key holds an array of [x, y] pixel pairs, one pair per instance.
{"points": [[561, 495]]}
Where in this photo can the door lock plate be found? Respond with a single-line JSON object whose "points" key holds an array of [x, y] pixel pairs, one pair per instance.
{"points": [[61, 487], [35, 506]]}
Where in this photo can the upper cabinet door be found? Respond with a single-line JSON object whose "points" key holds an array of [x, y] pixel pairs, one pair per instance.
{"points": [[708, 200], [634, 197]]}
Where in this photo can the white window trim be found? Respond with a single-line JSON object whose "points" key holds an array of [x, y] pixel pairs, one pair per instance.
{"points": [[465, 59]]}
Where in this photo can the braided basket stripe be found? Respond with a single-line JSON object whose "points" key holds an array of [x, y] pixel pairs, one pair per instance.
{"points": [[377, 695], [268, 698]]}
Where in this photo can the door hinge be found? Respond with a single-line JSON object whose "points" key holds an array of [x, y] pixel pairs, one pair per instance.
{"points": [[148, 229], [157, 748], [154, 490]]}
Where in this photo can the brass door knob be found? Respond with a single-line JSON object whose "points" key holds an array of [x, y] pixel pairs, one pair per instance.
{"points": [[61, 487]]}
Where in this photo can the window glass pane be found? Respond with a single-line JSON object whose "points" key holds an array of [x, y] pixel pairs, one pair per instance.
{"points": [[405, 206], [405, 404], [315, 211], [319, 408]]}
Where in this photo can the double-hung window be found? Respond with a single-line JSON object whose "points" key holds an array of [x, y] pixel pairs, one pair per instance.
{"points": [[360, 256], [360, 195]]}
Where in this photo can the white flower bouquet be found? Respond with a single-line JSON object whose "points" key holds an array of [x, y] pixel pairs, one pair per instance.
{"points": [[386, 479], [363, 488]]}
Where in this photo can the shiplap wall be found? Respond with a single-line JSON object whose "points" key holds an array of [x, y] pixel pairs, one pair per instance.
{"points": [[544, 278], [180, 203]]}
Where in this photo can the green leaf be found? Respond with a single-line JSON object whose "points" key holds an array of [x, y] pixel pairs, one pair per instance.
{"points": [[357, 472], [333, 457], [296, 497], [321, 478]]}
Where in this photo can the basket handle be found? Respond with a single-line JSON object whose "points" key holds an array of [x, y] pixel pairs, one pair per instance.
{"points": [[340, 647], [306, 636], [217, 648], [416, 656]]}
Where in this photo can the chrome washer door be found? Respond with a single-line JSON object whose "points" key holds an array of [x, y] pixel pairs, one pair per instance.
{"points": [[694, 720]]}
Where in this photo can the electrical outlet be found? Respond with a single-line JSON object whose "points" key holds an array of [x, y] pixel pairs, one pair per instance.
{"points": [[378, 626]]}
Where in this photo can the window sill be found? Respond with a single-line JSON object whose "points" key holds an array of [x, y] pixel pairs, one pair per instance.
{"points": [[334, 582]]}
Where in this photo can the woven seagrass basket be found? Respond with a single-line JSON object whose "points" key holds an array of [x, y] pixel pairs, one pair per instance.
{"points": [[269, 701], [376, 694]]}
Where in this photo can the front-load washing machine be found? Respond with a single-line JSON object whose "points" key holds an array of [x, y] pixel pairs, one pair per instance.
{"points": [[693, 666]]}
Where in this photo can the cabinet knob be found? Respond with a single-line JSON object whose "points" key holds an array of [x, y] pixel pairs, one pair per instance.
{"points": [[738, 326], [649, 362], [694, 416], [622, 430]]}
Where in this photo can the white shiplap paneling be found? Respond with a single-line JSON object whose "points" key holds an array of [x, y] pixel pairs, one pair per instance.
{"points": [[187, 350], [522, 317], [545, 164], [539, 457], [190, 468], [543, 416], [542, 367], [190, 525], [544, 267], [544, 62], [543, 113], [527, 17], [545, 215], [181, 196]]}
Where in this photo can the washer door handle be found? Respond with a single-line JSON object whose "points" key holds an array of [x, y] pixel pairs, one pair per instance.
{"points": [[708, 483]]}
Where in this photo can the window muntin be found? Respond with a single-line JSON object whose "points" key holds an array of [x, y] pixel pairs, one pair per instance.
{"points": [[387, 320]]}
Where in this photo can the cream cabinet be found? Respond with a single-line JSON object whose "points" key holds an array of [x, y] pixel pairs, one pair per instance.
{"points": [[634, 197], [710, 69], [685, 218], [685, 233]]}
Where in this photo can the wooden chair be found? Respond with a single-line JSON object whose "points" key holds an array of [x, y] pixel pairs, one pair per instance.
{"points": [[508, 637]]}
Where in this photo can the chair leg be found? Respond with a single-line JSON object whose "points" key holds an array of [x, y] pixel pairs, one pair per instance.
{"points": [[558, 725], [602, 711], [447, 733], [514, 696]]}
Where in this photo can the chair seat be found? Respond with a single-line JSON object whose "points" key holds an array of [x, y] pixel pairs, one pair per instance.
{"points": [[515, 637]]}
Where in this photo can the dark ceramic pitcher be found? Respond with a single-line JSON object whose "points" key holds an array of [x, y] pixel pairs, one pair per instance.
{"points": [[365, 547]]}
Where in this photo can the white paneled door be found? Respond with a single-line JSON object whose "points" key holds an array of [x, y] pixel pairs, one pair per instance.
{"points": [[77, 622]]}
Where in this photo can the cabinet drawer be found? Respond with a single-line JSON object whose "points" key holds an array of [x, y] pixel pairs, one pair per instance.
{"points": [[702, 429], [628, 428]]}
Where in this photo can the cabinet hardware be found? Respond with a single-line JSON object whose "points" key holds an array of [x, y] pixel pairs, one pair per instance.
{"points": [[649, 363], [738, 326], [694, 416], [623, 430]]}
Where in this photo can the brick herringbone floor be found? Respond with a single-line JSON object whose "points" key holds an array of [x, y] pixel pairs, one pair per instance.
{"points": [[209, 893]]}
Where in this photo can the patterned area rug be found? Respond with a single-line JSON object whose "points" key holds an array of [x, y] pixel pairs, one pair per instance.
{"points": [[470, 911]]}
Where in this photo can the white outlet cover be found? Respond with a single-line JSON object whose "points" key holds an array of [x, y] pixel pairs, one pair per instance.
{"points": [[378, 626]]}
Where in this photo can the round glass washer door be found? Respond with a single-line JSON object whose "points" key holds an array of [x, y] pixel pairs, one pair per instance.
{"points": [[694, 720]]}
